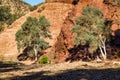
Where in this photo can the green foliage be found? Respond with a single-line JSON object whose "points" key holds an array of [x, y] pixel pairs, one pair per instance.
{"points": [[0, 1], [33, 33], [12, 18], [44, 60], [6, 17], [89, 27], [113, 2], [4, 13], [92, 12]]}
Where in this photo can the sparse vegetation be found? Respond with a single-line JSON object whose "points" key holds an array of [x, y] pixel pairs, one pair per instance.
{"points": [[44, 60], [41, 9], [12, 18], [75, 2], [4, 13], [32, 8], [91, 29], [33, 33], [8, 14], [113, 2], [0, 1], [6, 17]]}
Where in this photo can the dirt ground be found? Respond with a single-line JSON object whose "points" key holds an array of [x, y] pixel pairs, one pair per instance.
{"points": [[109, 70]]}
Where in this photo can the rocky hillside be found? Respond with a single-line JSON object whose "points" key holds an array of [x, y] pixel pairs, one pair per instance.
{"points": [[64, 1], [16, 6], [54, 12], [61, 14]]}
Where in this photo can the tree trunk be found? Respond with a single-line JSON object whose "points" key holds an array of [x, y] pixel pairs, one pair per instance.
{"points": [[102, 47], [102, 51], [35, 51], [105, 53], [98, 59]]}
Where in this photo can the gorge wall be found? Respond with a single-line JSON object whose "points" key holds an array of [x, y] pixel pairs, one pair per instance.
{"points": [[61, 14]]}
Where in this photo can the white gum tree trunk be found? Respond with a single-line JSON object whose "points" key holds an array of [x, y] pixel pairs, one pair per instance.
{"points": [[102, 48], [35, 51]]}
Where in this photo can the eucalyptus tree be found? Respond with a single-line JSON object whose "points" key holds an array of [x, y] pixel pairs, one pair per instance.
{"points": [[32, 34], [91, 29]]}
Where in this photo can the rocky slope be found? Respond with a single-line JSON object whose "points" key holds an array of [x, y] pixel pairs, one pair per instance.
{"points": [[61, 14], [16, 6], [64, 1], [54, 12]]}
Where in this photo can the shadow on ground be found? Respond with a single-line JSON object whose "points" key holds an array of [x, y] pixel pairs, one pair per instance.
{"points": [[8, 66], [78, 74]]}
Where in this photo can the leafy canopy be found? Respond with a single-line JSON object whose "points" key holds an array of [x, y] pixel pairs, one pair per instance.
{"points": [[89, 27], [33, 33], [6, 17], [4, 13]]}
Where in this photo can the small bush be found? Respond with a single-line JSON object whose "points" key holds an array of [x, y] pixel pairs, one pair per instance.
{"points": [[32, 8], [1, 27], [4, 13], [12, 18], [44, 60]]}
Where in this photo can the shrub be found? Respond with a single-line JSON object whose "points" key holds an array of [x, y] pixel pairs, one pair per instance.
{"points": [[44, 60], [12, 18], [1, 27], [6, 16], [4, 13]]}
